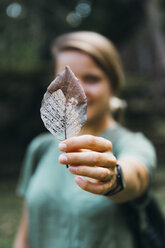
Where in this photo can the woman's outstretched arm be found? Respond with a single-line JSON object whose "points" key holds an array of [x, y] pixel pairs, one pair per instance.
{"points": [[92, 157]]}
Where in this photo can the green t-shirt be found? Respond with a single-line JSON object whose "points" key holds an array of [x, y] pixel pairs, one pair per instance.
{"points": [[63, 215]]}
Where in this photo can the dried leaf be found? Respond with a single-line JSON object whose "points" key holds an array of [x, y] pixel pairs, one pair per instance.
{"points": [[64, 105]]}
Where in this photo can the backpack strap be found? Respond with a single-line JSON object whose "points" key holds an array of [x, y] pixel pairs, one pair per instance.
{"points": [[146, 222]]}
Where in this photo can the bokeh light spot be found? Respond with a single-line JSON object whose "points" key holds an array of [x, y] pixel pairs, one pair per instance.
{"points": [[14, 10], [84, 9], [73, 19]]}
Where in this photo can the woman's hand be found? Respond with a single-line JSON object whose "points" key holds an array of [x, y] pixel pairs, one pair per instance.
{"points": [[92, 157]]}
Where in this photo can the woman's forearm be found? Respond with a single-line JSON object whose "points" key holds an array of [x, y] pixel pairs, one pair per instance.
{"points": [[135, 177]]}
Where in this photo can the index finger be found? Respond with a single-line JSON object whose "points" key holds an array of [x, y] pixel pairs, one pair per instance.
{"points": [[91, 142]]}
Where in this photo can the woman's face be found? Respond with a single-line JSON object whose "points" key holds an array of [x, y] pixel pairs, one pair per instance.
{"points": [[94, 81]]}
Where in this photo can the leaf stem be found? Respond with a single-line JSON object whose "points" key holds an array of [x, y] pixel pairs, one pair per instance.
{"points": [[65, 129]]}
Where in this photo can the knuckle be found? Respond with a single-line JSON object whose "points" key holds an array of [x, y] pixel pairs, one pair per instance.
{"points": [[69, 141], [111, 160], [71, 157], [91, 140], [105, 188], [97, 158], [114, 160], [109, 145], [93, 158], [100, 190], [113, 180], [85, 186], [81, 170], [104, 175]]}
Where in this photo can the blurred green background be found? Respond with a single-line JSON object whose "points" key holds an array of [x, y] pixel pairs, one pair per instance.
{"points": [[27, 30]]}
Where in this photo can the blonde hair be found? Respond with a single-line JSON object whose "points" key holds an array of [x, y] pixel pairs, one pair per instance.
{"points": [[99, 48]]}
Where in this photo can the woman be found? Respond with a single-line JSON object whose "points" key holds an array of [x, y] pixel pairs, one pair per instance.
{"points": [[109, 164]]}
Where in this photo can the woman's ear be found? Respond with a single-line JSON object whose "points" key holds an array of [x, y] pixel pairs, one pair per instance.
{"points": [[116, 103], [117, 107]]}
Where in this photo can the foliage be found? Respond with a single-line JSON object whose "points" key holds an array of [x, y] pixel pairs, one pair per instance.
{"points": [[26, 69], [25, 39]]}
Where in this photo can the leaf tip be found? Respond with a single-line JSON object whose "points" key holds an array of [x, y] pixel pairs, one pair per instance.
{"points": [[68, 72], [67, 68]]}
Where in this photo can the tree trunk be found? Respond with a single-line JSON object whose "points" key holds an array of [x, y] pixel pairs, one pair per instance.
{"points": [[152, 8]]}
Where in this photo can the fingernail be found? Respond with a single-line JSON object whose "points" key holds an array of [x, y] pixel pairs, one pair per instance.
{"points": [[63, 158], [80, 181], [72, 168], [62, 146]]}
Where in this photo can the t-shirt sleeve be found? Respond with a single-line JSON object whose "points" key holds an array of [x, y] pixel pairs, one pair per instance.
{"points": [[32, 153], [138, 146]]}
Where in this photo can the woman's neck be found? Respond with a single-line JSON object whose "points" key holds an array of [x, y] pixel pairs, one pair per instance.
{"points": [[97, 127]]}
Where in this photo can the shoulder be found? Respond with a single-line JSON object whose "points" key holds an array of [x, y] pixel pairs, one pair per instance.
{"points": [[136, 144], [123, 134], [42, 139], [127, 142]]}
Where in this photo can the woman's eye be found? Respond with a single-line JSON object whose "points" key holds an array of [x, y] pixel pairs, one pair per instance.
{"points": [[92, 79]]}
